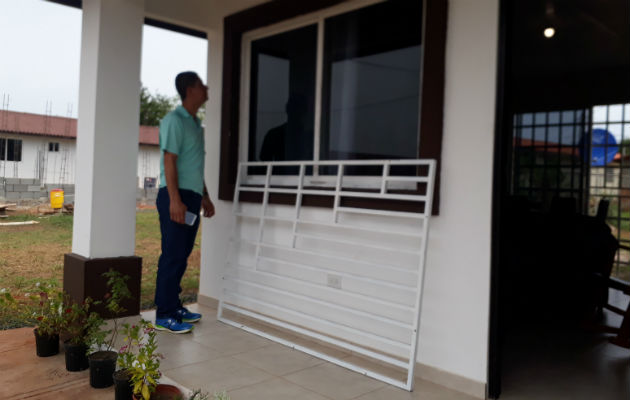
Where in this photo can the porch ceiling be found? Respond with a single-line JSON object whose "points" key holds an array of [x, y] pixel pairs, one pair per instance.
{"points": [[194, 14]]}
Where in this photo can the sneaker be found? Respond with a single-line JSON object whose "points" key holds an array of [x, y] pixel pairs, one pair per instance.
{"points": [[172, 325], [187, 316]]}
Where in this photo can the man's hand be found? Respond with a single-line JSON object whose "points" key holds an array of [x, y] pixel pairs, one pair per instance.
{"points": [[177, 210], [207, 206]]}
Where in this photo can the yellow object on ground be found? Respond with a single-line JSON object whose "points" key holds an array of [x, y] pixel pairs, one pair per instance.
{"points": [[56, 198]]}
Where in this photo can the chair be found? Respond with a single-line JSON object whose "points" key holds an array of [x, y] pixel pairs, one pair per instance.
{"points": [[607, 282], [622, 332]]}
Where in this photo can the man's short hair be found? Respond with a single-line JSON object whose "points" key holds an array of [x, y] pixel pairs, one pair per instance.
{"points": [[183, 81]]}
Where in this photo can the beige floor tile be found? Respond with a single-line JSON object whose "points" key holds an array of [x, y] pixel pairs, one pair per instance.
{"points": [[333, 381], [378, 367], [274, 389], [178, 351], [225, 373], [233, 341], [206, 311], [278, 359], [206, 326], [149, 315], [423, 390], [322, 347]]}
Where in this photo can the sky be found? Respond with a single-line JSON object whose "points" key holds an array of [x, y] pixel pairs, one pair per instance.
{"points": [[40, 49]]}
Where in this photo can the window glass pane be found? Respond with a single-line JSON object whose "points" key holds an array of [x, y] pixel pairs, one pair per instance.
{"points": [[14, 150], [540, 118], [3, 148], [615, 112], [370, 94], [599, 113], [528, 119], [282, 96]]}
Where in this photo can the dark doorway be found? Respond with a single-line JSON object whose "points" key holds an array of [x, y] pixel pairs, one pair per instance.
{"points": [[561, 215]]}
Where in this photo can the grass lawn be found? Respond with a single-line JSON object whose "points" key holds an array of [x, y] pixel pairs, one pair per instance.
{"points": [[34, 253]]}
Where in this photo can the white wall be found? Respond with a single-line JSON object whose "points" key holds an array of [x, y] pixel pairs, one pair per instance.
{"points": [[24, 169], [454, 325], [60, 166], [454, 329], [148, 164], [34, 147]]}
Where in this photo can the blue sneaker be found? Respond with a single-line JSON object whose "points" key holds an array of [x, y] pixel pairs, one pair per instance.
{"points": [[172, 325], [187, 316]]}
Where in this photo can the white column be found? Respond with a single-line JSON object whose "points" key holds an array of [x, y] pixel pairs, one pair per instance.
{"points": [[107, 140]]}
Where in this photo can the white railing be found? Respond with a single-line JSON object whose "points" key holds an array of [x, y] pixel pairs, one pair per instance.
{"points": [[351, 277]]}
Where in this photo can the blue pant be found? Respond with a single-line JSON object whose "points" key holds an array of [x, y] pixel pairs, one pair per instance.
{"points": [[177, 244]]}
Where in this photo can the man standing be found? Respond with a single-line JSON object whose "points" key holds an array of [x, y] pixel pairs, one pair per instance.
{"points": [[181, 195]]}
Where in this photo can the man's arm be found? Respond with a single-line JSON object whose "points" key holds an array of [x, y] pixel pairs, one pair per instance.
{"points": [[206, 203], [177, 207]]}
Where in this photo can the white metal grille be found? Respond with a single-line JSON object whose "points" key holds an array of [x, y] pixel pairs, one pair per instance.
{"points": [[348, 276]]}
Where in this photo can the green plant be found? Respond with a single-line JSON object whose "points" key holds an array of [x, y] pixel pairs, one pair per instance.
{"points": [[78, 321], [10, 311], [221, 396], [197, 394], [140, 358], [97, 337], [48, 312], [43, 310]]}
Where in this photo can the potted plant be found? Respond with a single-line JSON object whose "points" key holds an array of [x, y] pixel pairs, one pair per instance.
{"points": [[78, 321], [136, 337], [49, 320], [99, 340], [126, 357], [166, 392], [43, 310], [144, 364]]}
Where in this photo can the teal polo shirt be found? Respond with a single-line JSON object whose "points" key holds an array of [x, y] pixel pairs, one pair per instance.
{"points": [[182, 134]]}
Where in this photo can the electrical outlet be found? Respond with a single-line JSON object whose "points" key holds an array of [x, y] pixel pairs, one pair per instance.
{"points": [[334, 281]]}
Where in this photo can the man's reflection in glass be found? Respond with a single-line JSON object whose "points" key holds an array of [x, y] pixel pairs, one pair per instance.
{"points": [[293, 139]]}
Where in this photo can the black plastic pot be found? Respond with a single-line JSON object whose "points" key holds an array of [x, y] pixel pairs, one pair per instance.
{"points": [[46, 345], [76, 360], [124, 389], [102, 367]]}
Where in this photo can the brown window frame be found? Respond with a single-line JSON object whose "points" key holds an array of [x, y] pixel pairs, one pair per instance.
{"points": [[432, 96]]}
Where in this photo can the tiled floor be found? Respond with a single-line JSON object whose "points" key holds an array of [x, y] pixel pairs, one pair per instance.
{"points": [[566, 364], [251, 367], [214, 357], [219, 357]]}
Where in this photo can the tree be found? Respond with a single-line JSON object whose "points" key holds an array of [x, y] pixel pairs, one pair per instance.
{"points": [[153, 107]]}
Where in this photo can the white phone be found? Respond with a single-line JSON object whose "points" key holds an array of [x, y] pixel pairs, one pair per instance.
{"points": [[190, 218]]}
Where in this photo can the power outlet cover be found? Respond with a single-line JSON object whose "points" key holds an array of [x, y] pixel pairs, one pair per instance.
{"points": [[334, 281]]}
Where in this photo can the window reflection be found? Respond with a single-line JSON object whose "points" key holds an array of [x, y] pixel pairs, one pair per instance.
{"points": [[372, 83], [282, 96]]}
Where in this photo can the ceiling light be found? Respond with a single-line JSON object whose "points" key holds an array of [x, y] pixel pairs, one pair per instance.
{"points": [[549, 32]]}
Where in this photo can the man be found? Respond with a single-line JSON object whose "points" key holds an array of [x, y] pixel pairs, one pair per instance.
{"points": [[182, 190]]}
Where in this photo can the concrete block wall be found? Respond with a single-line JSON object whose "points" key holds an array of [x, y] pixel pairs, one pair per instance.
{"points": [[23, 191]]}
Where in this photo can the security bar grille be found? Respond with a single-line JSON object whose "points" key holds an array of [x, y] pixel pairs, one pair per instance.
{"points": [[554, 155], [348, 276]]}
